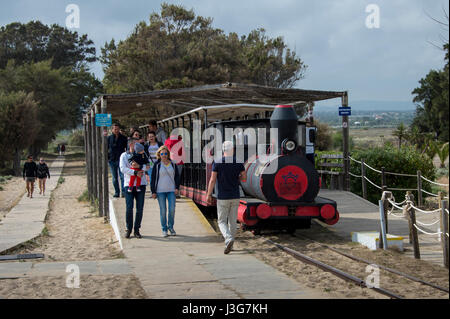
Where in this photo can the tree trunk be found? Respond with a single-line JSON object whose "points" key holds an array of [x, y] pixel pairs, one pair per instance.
{"points": [[16, 162]]}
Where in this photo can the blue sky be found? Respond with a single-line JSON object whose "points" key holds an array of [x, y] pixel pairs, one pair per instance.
{"points": [[331, 37]]}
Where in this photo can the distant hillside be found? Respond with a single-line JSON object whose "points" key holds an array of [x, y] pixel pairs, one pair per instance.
{"points": [[374, 106]]}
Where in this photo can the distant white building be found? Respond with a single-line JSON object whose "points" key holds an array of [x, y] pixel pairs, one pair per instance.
{"points": [[357, 123]]}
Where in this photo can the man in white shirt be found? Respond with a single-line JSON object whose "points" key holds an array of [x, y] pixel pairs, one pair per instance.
{"points": [[127, 171], [159, 131]]}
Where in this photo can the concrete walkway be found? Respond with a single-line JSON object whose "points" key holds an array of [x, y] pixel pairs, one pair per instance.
{"points": [[33, 269], [27, 219], [192, 264], [358, 214]]}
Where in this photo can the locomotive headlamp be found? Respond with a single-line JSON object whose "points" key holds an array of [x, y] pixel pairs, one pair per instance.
{"points": [[289, 145]]}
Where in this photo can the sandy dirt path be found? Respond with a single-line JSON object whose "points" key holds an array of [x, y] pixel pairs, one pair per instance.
{"points": [[73, 233]]}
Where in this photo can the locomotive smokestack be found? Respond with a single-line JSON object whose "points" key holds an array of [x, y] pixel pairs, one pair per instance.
{"points": [[285, 120]]}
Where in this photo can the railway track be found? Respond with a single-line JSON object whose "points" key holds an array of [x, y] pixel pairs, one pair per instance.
{"points": [[345, 275], [337, 272]]}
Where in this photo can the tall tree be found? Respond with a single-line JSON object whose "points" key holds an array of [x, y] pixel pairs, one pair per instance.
{"points": [[179, 49], [35, 42], [18, 126], [400, 133], [53, 63]]}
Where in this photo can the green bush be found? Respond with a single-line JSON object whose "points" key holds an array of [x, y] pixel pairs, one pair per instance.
{"points": [[77, 138], [405, 160]]}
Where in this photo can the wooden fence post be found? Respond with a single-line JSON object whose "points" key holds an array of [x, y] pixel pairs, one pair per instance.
{"points": [[419, 188], [105, 164], [413, 230], [363, 179], [383, 180], [99, 137], [444, 231], [93, 157]]}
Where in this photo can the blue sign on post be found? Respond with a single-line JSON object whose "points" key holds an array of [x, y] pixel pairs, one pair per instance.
{"points": [[103, 120], [345, 111]]}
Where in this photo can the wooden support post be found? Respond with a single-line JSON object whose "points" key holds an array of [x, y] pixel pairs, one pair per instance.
{"points": [[99, 137], [87, 154], [414, 239], [94, 157], [105, 164], [419, 188], [444, 229], [363, 179]]}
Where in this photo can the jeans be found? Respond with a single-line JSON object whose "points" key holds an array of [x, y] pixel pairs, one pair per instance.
{"points": [[129, 200], [166, 223], [115, 170], [149, 171], [227, 211]]}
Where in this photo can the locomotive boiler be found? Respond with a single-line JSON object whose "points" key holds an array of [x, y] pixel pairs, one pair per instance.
{"points": [[286, 195]]}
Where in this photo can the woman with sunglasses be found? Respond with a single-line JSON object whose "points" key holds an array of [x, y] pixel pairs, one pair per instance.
{"points": [[165, 183], [42, 174]]}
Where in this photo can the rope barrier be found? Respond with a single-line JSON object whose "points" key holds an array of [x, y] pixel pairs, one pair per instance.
{"points": [[396, 215], [358, 176], [372, 168], [434, 182], [395, 204], [431, 194], [423, 224], [401, 189], [354, 160], [372, 183], [401, 174], [422, 231], [424, 211]]}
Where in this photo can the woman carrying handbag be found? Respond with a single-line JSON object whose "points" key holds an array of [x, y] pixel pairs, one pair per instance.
{"points": [[165, 183]]}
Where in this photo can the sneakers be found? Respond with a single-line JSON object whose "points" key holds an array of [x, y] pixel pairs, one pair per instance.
{"points": [[137, 234], [164, 233], [116, 195], [172, 232], [128, 233], [129, 190], [228, 247], [138, 189]]}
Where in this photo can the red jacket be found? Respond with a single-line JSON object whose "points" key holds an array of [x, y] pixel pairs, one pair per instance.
{"points": [[177, 143]]}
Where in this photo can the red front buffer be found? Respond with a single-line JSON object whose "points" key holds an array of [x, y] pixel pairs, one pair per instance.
{"points": [[333, 220], [244, 215], [329, 214]]}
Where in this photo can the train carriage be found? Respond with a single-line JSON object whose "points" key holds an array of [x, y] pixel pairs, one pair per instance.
{"points": [[281, 190]]}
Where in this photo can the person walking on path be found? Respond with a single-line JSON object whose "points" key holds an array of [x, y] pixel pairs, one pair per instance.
{"points": [[165, 184], [58, 149], [130, 197], [159, 131], [151, 147], [30, 174], [42, 174], [227, 173], [63, 149], [117, 144]]}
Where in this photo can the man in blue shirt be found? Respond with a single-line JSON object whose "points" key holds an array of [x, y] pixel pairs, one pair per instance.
{"points": [[228, 173], [117, 144]]}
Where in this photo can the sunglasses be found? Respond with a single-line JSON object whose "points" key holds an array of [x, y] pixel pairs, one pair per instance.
{"points": [[164, 153]]}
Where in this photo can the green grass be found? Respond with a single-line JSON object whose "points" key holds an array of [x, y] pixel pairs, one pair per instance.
{"points": [[61, 180], [84, 197]]}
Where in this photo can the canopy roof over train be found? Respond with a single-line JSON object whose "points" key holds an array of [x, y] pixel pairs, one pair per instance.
{"points": [[162, 104]]}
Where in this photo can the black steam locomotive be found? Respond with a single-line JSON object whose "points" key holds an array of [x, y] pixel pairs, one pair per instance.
{"points": [[281, 189]]}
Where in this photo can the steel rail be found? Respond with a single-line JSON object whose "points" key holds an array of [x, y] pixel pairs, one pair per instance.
{"points": [[334, 271], [397, 272]]}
